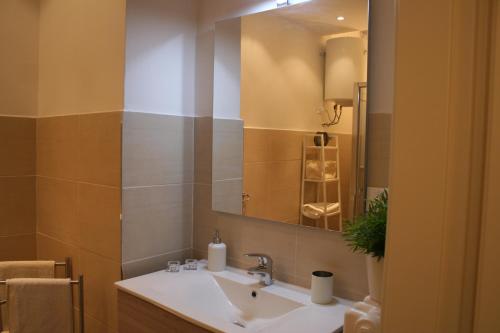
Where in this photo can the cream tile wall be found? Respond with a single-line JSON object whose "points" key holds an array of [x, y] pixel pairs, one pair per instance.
{"points": [[158, 174]]}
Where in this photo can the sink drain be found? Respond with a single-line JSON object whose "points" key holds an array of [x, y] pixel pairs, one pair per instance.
{"points": [[240, 324]]}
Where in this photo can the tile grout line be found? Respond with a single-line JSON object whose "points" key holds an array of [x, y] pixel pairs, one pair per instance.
{"points": [[78, 247], [69, 180], [158, 185], [133, 261], [19, 235]]}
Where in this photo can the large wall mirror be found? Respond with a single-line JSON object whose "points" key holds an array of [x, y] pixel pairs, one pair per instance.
{"points": [[290, 113]]}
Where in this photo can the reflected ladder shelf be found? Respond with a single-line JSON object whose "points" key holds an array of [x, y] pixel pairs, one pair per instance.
{"points": [[321, 182]]}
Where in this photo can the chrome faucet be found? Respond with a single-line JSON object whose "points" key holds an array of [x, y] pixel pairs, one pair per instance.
{"points": [[264, 269]]}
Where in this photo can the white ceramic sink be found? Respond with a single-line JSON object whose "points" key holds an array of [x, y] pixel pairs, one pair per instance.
{"points": [[251, 306], [231, 301]]}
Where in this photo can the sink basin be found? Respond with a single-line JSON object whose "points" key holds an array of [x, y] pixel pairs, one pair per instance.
{"points": [[251, 306], [234, 302]]}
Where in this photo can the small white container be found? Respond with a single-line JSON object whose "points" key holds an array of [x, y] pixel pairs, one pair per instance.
{"points": [[321, 287], [216, 254]]}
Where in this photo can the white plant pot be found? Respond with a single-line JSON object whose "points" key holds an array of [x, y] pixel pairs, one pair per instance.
{"points": [[375, 270]]}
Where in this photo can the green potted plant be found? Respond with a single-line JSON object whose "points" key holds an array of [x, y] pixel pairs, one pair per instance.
{"points": [[366, 234]]}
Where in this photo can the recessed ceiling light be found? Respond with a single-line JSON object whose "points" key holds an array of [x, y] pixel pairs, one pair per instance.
{"points": [[340, 18]]}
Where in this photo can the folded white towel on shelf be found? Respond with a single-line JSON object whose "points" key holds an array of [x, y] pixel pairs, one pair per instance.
{"points": [[317, 209], [314, 170]]}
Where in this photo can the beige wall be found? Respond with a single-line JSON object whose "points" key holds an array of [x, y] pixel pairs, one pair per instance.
{"points": [[81, 56], [19, 57], [277, 57], [53, 62]]}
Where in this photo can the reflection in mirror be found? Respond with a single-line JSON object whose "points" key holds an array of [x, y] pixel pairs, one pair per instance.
{"points": [[290, 114]]}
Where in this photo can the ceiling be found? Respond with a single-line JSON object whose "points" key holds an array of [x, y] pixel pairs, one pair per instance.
{"points": [[320, 16]]}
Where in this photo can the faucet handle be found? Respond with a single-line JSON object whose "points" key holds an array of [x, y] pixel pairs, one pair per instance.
{"points": [[264, 259]]}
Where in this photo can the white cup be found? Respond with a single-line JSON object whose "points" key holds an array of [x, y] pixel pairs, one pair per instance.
{"points": [[321, 287]]}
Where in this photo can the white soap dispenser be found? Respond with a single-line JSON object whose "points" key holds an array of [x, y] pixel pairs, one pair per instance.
{"points": [[216, 254]]}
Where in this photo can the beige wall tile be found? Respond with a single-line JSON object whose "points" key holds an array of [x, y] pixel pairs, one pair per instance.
{"points": [[21, 247], [203, 236], [256, 186], [203, 150], [100, 148], [17, 205], [284, 174], [157, 149], [202, 205], [57, 209], [157, 220], [256, 145], [285, 145], [227, 196], [320, 250], [283, 204], [100, 274], [99, 209], [227, 149], [49, 248], [378, 149], [57, 147], [93, 325], [276, 239], [17, 146], [152, 264], [345, 152]]}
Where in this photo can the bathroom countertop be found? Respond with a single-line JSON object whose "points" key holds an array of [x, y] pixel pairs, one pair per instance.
{"points": [[196, 297]]}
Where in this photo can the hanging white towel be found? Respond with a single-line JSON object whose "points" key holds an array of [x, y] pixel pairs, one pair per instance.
{"points": [[40, 306], [22, 269]]}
